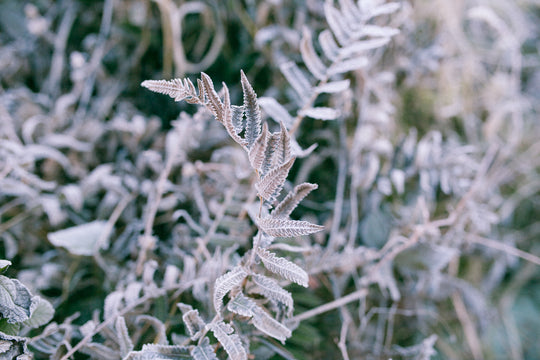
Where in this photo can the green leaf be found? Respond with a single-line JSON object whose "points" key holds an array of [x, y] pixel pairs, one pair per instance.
{"points": [[42, 313]]}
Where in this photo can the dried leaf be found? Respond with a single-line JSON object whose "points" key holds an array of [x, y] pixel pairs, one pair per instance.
{"points": [[252, 111], [214, 102], [257, 152], [270, 186], [289, 203]]}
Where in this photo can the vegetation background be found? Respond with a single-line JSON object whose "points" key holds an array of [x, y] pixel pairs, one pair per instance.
{"points": [[118, 203]]}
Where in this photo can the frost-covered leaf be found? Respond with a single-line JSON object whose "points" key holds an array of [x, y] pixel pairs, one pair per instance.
{"points": [[251, 110], [276, 111], [283, 267], [296, 79], [228, 118], [279, 227], [348, 65], [16, 301], [376, 31], [124, 341], [362, 46], [238, 118], [192, 320], [257, 152], [310, 57], [333, 86], [383, 9], [80, 239], [270, 326], [293, 198], [41, 312], [230, 342], [160, 352], [270, 186], [178, 89], [214, 102], [328, 45], [282, 152], [99, 351], [14, 347], [4, 264], [321, 113], [203, 351], [226, 283], [272, 291], [241, 305]]}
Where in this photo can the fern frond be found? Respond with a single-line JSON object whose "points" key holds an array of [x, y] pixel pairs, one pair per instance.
{"points": [[276, 111], [214, 102], [297, 80], [230, 342], [228, 117], [310, 57], [282, 151], [283, 267], [238, 118], [178, 89], [270, 186], [293, 198], [321, 113], [226, 283], [287, 228], [252, 111], [257, 152], [328, 45], [333, 87], [272, 291]]}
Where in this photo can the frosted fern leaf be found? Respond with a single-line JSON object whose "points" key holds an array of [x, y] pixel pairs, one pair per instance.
{"points": [[276, 111], [230, 342], [333, 87], [279, 227], [244, 306], [214, 102], [228, 117], [270, 186], [283, 267], [192, 320], [310, 57], [178, 89], [272, 291], [282, 151], [257, 153], [203, 351], [251, 110], [291, 201], [297, 79], [226, 283], [321, 113]]}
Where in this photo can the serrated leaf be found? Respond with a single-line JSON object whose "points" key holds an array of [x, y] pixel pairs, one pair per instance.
{"points": [[231, 343], [276, 111], [178, 89], [226, 283], [293, 198], [228, 118], [310, 57], [283, 267], [80, 239], [192, 320], [238, 118], [282, 152], [160, 352], [214, 102], [279, 227], [41, 312], [321, 113], [270, 186], [257, 152], [272, 291], [270, 326], [203, 351], [251, 110], [241, 305]]}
